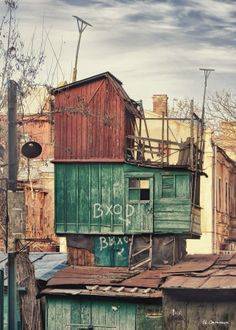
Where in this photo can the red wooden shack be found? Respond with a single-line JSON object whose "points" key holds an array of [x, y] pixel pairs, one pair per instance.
{"points": [[92, 118]]}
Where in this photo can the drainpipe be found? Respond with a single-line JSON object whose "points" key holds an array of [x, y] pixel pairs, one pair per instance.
{"points": [[1, 299], [214, 199], [12, 298]]}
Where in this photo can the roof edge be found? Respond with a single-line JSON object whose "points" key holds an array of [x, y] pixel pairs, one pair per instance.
{"points": [[106, 74]]}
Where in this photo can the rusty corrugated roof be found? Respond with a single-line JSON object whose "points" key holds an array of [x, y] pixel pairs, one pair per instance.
{"points": [[221, 274], [113, 276], [194, 272], [196, 282], [194, 263], [105, 292]]}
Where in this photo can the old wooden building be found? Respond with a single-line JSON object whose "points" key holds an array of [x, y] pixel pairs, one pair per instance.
{"points": [[113, 179], [124, 200]]}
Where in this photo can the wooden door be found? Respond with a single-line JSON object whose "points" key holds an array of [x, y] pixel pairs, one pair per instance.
{"points": [[139, 203]]}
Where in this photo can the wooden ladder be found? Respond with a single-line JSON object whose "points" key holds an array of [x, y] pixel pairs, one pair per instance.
{"points": [[147, 261]]}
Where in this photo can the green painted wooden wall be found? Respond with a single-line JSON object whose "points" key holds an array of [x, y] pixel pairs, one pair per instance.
{"points": [[111, 251], [80, 313], [6, 313], [103, 198]]}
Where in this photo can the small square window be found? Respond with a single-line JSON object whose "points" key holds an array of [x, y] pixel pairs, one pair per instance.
{"points": [[134, 194], [134, 183], [139, 189], [144, 194], [144, 184]]}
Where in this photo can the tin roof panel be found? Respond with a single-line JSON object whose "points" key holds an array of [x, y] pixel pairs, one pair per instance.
{"points": [[194, 263], [106, 276]]}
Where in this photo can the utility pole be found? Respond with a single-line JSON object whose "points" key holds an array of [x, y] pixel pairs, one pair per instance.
{"points": [[1, 299], [12, 148], [12, 180], [207, 73], [81, 27]]}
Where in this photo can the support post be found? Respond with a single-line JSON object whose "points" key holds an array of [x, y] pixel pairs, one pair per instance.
{"points": [[192, 137], [12, 141], [1, 299], [12, 298]]}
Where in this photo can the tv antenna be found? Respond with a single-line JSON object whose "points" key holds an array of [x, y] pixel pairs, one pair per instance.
{"points": [[207, 73], [81, 27]]}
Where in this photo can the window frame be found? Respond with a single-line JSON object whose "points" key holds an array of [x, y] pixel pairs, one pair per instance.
{"points": [[139, 176]]}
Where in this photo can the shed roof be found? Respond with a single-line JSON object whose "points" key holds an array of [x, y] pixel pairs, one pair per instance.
{"points": [[86, 81], [105, 281], [46, 263], [221, 274], [130, 104], [194, 272], [113, 276]]}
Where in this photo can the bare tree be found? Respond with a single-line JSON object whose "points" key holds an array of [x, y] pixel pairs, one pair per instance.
{"points": [[181, 108], [221, 118], [21, 64], [16, 61]]}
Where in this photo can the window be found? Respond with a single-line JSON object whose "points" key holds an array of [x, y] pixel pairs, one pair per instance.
{"points": [[175, 186], [139, 189]]}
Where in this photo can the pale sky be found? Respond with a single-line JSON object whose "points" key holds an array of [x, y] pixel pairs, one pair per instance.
{"points": [[152, 46]]}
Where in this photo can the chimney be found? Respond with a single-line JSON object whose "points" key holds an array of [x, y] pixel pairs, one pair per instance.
{"points": [[160, 104]]}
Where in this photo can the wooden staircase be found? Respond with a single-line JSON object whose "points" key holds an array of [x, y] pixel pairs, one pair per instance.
{"points": [[144, 261]]}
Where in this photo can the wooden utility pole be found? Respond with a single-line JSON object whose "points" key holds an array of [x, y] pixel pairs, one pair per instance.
{"points": [[202, 142], [12, 148], [81, 27], [12, 179], [1, 299]]}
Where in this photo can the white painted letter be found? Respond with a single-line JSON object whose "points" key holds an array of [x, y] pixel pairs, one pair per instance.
{"points": [[117, 209], [131, 208], [97, 208], [103, 243]]}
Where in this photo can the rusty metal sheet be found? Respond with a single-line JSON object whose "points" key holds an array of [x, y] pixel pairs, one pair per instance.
{"points": [[146, 279], [226, 272], [91, 275], [194, 263], [113, 276], [220, 282], [190, 282], [102, 293], [183, 282]]}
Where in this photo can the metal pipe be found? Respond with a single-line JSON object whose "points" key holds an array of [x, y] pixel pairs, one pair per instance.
{"points": [[192, 137], [76, 58], [12, 141], [162, 138], [1, 299], [214, 235], [12, 297]]}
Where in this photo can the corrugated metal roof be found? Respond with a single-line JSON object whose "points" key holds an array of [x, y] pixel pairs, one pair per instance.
{"points": [[46, 263], [221, 274], [194, 272], [113, 276], [194, 263], [193, 282], [105, 292]]}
